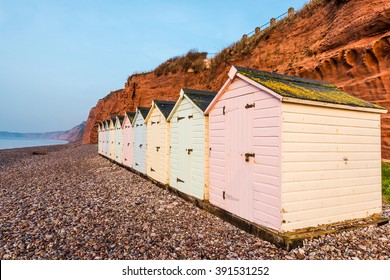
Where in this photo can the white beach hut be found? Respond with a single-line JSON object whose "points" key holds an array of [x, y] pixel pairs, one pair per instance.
{"points": [[106, 137], [118, 138], [290, 153], [139, 127], [189, 143]]}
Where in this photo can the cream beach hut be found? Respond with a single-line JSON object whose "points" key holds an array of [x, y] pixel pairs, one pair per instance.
{"points": [[189, 143], [112, 139], [118, 139], [157, 139], [128, 139], [139, 126], [290, 153], [106, 137]]}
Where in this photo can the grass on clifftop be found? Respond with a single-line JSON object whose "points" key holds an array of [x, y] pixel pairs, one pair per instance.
{"points": [[386, 182]]}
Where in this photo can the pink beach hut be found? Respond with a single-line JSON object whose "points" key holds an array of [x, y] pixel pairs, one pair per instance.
{"points": [[128, 139], [290, 153]]}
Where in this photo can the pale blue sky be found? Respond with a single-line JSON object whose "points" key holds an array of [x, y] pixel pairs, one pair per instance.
{"points": [[57, 58]]}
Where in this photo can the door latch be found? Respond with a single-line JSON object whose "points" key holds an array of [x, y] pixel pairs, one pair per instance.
{"points": [[157, 148], [247, 106], [189, 151], [151, 169], [248, 155]]}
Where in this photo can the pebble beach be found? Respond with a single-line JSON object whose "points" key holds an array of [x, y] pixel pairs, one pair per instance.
{"points": [[67, 202]]}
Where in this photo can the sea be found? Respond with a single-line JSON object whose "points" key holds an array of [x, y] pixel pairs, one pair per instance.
{"points": [[23, 142]]}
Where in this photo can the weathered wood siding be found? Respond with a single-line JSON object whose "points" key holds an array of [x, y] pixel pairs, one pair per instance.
{"points": [[249, 189], [331, 165], [157, 148], [187, 168], [128, 143], [119, 143], [139, 144]]}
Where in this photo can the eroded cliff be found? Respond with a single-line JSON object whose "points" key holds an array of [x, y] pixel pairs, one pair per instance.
{"points": [[343, 42]]}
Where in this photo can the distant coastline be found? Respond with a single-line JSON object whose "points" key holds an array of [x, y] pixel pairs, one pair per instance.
{"points": [[19, 141], [73, 135]]}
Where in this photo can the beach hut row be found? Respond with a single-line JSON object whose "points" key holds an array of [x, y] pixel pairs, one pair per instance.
{"points": [[281, 152]]}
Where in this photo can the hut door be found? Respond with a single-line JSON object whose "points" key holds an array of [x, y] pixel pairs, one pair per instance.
{"points": [[185, 141], [238, 194]]}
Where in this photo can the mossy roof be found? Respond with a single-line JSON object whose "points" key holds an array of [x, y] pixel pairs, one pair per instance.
{"points": [[201, 98], [300, 88], [144, 111], [131, 116], [165, 106], [121, 118]]}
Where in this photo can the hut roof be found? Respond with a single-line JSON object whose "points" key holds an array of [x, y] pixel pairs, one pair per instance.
{"points": [[165, 106], [144, 111], [120, 119], [131, 116], [300, 88], [201, 98]]}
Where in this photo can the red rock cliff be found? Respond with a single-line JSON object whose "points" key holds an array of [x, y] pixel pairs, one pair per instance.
{"points": [[343, 42]]}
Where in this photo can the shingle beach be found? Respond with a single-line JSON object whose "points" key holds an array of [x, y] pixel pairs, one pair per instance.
{"points": [[67, 202]]}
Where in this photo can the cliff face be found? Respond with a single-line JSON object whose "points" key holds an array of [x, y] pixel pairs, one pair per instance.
{"points": [[343, 42]]}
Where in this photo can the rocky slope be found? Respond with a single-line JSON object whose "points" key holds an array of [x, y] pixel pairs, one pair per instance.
{"points": [[73, 135], [345, 42]]}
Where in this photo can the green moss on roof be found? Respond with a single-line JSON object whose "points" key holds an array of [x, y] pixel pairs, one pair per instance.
{"points": [[294, 87], [131, 116], [164, 106], [201, 98]]}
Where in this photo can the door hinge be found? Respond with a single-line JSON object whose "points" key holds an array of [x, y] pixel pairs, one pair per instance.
{"points": [[223, 195], [179, 118], [247, 106], [223, 110], [152, 123], [248, 155], [179, 181], [190, 116]]}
